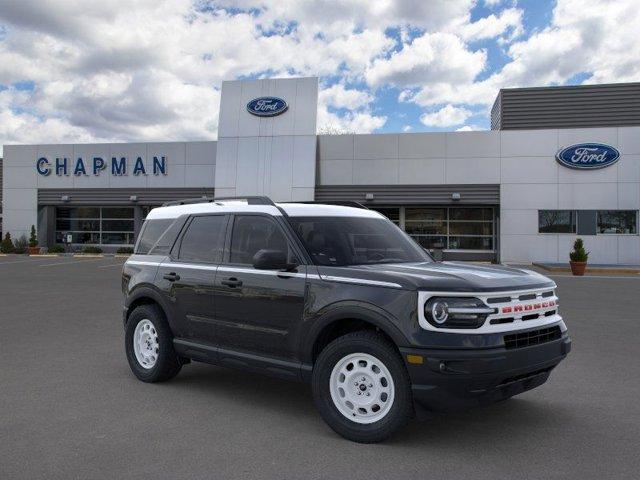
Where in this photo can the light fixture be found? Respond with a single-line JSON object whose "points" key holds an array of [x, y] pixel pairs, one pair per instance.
{"points": [[455, 196], [133, 198], [368, 196], [65, 198]]}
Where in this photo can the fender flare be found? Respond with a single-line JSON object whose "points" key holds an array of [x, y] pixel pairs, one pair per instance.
{"points": [[365, 312], [146, 291]]}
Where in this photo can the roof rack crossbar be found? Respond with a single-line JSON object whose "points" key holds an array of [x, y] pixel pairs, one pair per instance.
{"points": [[251, 200]]}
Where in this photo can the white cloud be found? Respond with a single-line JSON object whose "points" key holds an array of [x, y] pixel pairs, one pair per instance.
{"points": [[358, 122], [597, 38], [509, 22], [441, 57], [469, 128], [407, 128], [447, 116], [151, 69], [340, 97]]}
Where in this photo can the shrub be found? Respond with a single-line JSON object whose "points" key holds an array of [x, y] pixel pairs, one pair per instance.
{"points": [[33, 238], [91, 249], [579, 254], [20, 245], [57, 248], [7, 244], [125, 250]]}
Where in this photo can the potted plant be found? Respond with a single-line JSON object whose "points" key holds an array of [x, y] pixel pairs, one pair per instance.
{"points": [[7, 244], [33, 249], [20, 245], [578, 257]]}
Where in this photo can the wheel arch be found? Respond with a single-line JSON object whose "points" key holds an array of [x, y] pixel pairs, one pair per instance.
{"points": [[144, 296], [342, 319]]}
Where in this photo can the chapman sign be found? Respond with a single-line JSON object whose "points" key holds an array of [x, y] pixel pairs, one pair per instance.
{"points": [[118, 166], [588, 156], [267, 106]]}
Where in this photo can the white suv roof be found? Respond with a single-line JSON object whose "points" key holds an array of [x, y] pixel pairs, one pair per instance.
{"points": [[239, 206]]}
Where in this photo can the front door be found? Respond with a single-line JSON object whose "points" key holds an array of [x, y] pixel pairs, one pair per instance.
{"points": [[256, 309], [189, 276]]}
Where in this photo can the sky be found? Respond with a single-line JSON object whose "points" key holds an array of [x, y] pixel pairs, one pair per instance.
{"points": [[74, 71]]}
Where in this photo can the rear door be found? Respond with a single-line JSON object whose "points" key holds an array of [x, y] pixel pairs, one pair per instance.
{"points": [[189, 275], [256, 310]]}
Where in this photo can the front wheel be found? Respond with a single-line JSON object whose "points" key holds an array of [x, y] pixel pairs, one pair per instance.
{"points": [[361, 387]]}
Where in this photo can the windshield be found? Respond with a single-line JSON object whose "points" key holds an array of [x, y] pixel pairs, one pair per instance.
{"points": [[343, 241]]}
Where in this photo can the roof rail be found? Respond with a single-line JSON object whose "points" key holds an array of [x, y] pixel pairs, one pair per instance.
{"points": [[188, 201], [343, 203], [256, 200], [251, 200]]}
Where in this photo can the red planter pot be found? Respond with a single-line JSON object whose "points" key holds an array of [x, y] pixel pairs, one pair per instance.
{"points": [[578, 268], [33, 250]]}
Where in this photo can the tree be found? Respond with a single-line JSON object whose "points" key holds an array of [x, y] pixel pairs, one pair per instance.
{"points": [[331, 129], [33, 237], [7, 244]]}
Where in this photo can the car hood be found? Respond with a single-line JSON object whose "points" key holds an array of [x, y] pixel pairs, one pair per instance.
{"points": [[444, 276]]}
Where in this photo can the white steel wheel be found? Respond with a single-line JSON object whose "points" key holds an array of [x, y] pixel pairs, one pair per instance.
{"points": [[145, 344], [362, 388]]}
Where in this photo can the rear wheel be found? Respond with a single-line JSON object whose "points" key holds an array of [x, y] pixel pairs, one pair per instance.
{"points": [[149, 345], [361, 387]]}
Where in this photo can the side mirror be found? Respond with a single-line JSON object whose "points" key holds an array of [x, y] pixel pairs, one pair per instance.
{"points": [[271, 260]]}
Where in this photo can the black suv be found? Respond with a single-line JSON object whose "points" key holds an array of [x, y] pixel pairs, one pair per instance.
{"points": [[340, 297]]}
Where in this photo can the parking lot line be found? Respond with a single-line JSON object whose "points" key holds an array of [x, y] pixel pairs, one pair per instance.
{"points": [[72, 262], [111, 265], [30, 260]]}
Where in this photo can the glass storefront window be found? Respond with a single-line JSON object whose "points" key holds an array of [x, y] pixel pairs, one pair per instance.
{"points": [[618, 221], [95, 225], [392, 214], [451, 228], [470, 243], [556, 221], [483, 214], [430, 241]]}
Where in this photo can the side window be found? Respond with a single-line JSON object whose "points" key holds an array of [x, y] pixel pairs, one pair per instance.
{"points": [[252, 233], [151, 232], [204, 239]]}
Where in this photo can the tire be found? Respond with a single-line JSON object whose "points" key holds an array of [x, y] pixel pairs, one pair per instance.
{"points": [[158, 361], [366, 352]]}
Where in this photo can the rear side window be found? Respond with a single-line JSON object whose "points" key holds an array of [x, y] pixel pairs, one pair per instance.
{"points": [[252, 233], [204, 239], [151, 233]]}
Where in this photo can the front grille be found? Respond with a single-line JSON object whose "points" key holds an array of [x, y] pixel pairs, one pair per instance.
{"points": [[532, 337]]}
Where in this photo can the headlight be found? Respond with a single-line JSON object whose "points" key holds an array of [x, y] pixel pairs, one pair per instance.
{"points": [[456, 312]]}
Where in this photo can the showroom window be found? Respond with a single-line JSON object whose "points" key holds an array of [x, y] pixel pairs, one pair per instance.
{"points": [[392, 214], [556, 221], [618, 222], [95, 225], [452, 228]]}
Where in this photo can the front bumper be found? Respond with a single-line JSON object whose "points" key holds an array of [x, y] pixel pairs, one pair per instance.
{"points": [[453, 379]]}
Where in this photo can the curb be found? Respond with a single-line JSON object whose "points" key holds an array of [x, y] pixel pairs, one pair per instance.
{"points": [[598, 270]]}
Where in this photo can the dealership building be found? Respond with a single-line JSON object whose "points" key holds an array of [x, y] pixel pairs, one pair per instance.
{"points": [[558, 163]]}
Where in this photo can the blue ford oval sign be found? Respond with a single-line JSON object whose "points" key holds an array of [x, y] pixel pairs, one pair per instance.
{"points": [[588, 156], [267, 106]]}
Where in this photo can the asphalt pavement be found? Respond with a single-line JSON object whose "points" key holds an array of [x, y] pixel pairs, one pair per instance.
{"points": [[70, 408]]}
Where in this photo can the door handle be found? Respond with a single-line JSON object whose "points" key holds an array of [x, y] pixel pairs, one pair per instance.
{"points": [[232, 282], [172, 277]]}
